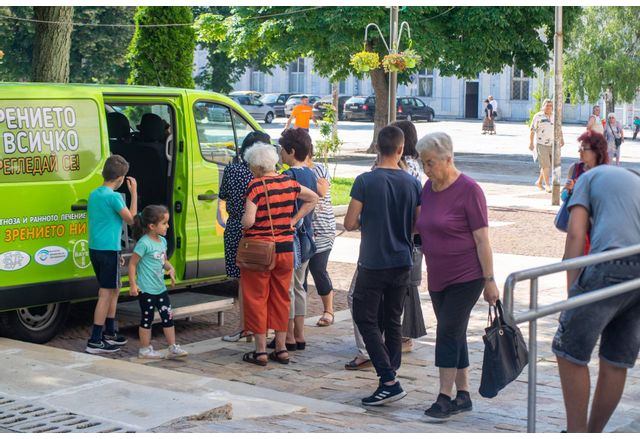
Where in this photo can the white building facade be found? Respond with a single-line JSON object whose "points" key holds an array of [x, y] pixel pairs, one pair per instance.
{"points": [[450, 97]]}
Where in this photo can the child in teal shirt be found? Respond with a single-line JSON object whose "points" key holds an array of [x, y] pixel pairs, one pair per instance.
{"points": [[106, 211], [146, 279]]}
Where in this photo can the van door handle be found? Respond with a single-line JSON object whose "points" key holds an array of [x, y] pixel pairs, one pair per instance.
{"points": [[76, 207], [208, 197]]}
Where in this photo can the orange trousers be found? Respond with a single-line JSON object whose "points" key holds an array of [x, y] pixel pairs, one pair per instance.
{"points": [[266, 296]]}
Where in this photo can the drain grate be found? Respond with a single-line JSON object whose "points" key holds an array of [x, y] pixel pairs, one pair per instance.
{"points": [[24, 416]]}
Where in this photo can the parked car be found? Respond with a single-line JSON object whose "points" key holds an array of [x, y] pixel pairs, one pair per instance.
{"points": [[254, 94], [295, 100], [319, 109], [408, 108], [276, 101], [255, 108]]}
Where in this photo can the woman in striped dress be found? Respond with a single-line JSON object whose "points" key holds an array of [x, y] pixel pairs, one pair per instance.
{"points": [[266, 294]]}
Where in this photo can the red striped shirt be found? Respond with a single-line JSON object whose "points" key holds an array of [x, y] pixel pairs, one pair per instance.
{"points": [[283, 192]]}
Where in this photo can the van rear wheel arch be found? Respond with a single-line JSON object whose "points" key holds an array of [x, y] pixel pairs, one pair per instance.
{"points": [[36, 324]]}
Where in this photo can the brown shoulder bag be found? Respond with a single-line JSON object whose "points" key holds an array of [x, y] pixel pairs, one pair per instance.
{"points": [[255, 254]]}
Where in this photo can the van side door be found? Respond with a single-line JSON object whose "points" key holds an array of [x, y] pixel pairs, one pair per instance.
{"points": [[218, 130]]}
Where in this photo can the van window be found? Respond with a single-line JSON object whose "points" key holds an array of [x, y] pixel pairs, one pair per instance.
{"points": [[215, 132], [242, 128], [48, 140]]}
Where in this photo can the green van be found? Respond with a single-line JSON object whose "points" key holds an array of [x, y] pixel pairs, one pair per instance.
{"points": [[55, 139]]}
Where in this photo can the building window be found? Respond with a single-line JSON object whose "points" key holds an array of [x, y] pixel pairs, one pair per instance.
{"points": [[342, 89], [296, 76], [257, 80], [519, 86], [425, 83]]}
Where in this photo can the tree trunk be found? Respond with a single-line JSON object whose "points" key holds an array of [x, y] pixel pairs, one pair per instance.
{"points": [[381, 89], [610, 99], [52, 44]]}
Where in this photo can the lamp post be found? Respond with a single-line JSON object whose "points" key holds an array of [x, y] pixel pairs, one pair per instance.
{"points": [[395, 35]]}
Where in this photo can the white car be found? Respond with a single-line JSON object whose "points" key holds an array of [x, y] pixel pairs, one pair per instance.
{"points": [[255, 108]]}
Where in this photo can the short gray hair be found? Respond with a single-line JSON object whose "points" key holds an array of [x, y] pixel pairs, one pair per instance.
{"points": [[547, 101], [438, 142], [262, 156]]}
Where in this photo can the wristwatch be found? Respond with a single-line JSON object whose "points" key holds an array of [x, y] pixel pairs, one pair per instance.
{"points": [[489, 278]]}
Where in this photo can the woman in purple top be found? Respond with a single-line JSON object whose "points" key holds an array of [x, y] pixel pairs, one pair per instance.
{"points": [[454, 229]]}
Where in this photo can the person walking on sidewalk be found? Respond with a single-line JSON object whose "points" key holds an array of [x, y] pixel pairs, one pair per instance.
{"points": [[302, 113], [384, 204], [324, 234], [147, 266], [454, 227], [412, 318], [542, 131], [233, 190], [106, 211], [608, 199], [614, 134], [595, 121]]}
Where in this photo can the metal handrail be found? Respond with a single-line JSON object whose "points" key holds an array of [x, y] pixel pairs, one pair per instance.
{"points": [[535, 313]]}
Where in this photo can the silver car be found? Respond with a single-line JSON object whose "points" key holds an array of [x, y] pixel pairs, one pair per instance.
{"points": [[256, 108]]}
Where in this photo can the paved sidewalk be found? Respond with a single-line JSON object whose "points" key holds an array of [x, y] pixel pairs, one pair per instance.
{"points": [[214, 391]]}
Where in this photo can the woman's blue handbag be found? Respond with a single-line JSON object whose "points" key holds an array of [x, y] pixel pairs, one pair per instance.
{"points": [[562, 217]]}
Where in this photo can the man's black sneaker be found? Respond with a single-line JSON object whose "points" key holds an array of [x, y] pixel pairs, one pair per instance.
{"points": [[442, 408], [462, 403], [385, 394], [100, 347], [115, 339]]}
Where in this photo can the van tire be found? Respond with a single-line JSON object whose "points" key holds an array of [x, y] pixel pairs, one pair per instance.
{"points": [[37, 324]]}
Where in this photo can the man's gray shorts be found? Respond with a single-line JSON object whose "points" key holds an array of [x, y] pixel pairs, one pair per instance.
{"points": [[616, 318]]}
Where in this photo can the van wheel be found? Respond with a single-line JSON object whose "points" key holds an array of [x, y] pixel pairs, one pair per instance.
{"points": [[268, 118], [37, 324]]}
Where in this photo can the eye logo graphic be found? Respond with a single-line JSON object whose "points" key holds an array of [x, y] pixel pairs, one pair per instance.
{"points": [[14, 260]]}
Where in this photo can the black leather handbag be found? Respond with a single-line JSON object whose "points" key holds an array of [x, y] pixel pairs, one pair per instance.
{"points": [[505, 353]]}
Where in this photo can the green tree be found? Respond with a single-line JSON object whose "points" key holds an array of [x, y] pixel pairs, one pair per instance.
{"points": [[98, 53], [162, 56], [604, 57], [220, 72], [460, 41], [17, 43]]}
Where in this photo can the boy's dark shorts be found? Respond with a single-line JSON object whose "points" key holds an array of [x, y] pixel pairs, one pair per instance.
{"points": [[106, 265], [616, 318]]}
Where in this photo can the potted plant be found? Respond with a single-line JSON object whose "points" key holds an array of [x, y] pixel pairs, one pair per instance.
{"points": [[365, 61], [394, 62], [411, 58]]}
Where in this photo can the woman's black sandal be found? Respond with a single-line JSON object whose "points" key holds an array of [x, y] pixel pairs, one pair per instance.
{"points": [[252, 357], [275, 356], [290, 346]]}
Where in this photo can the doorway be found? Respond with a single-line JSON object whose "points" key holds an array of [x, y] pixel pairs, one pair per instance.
{"points": [[471, 100]]}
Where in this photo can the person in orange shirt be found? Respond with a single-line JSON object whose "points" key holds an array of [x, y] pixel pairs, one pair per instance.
{"points": [[302, 113]]}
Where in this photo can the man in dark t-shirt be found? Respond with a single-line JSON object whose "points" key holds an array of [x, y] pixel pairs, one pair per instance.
{"points": [[384, 205]]}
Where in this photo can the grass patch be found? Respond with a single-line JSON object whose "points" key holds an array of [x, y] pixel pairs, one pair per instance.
{"points": [[340, 190]]}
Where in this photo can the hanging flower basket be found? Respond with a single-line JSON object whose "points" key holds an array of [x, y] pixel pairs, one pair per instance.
{"points": [[394, 62], [411, 58], [364, 61]]}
